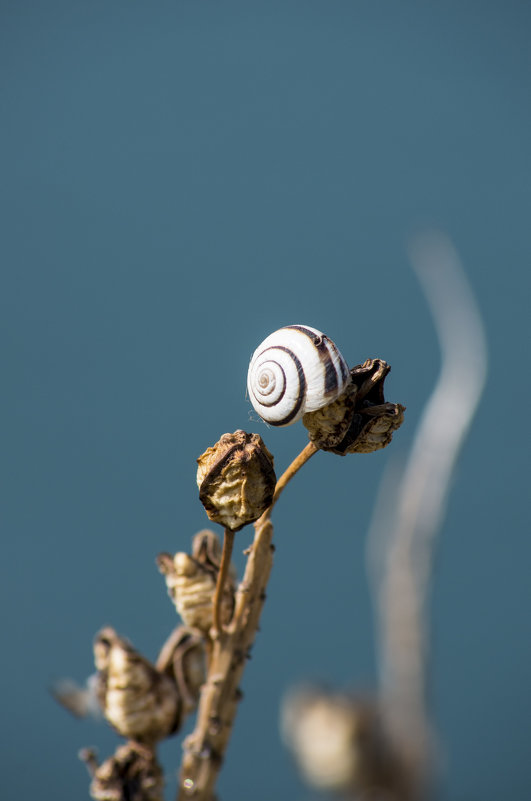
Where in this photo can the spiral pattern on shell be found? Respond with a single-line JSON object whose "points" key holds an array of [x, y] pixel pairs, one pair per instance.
{"points": [[295, 370]]}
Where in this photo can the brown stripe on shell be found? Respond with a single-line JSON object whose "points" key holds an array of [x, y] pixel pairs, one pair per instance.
{"points": [[302, 389], [271, 403], [320, 343]]}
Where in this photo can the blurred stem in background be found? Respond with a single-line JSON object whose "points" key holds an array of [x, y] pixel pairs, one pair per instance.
{"points": [[411, 504], [362, 747]]}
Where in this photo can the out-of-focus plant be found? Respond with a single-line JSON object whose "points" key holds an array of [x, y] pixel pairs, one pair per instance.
{"points": [[383, 747]]}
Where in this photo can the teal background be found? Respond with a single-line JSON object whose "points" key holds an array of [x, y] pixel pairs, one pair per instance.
{"points": [[178, 179]]}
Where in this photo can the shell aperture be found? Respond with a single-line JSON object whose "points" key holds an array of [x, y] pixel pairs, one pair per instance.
{"points": [[295, 370]]}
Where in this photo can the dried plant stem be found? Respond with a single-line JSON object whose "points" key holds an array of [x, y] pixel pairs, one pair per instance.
{"points": [[204, 749], [294, 467], [228, 542]]}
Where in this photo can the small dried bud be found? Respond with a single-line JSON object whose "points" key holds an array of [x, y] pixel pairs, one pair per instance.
{"points": [[373, 429], [328, 425], [236, 479], [132, 772], [359, 421], [138, 701], [340, 745], [191, 582]]}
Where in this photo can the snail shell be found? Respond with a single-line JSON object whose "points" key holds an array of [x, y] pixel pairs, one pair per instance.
{"points": [[295, 370]]}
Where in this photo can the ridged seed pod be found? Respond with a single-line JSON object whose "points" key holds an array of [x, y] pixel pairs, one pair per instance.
{"points": [[360, 420], [191, 582], [295, 370], [138, 701], [132, 773], [341, 746], [236, 479]]}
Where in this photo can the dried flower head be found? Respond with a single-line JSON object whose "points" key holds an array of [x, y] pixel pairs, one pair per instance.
{"points": [[191, 581], [360, 420], [132, 772], [138, 701], [236, 479], [340, 745]]}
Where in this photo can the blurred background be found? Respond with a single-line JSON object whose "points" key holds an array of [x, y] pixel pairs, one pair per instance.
{"points": [[179, 179]]}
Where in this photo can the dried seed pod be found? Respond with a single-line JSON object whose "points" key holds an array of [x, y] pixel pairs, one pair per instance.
{"points": [[328, 426], [132, 772], [236, 479], [138, 701], [191, 583], [373, 429], [182, 657], [359, 421], [340, 745]]}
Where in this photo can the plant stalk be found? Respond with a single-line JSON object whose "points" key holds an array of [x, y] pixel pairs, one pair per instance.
{"points": [[205, 748], [228, 542]]}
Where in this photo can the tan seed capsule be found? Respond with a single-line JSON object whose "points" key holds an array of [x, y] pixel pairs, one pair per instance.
{"points": [[340, 745], [132, 772], [376, 428], [138, 701], [328, 426], [236, 479], [191, 584], [359, 421]]}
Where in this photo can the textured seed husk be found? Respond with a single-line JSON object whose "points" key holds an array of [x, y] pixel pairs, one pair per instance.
{"points": [[374, 430], [191, 586], [341, 745], [132, 772], [236, 479], [138, 701], [328, 426], [359, 421]]}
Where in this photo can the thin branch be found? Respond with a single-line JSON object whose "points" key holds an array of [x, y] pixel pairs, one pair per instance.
{"points": [[228, 542], [294, 467]]}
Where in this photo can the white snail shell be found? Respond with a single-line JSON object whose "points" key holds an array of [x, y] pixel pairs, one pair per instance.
{"points": [[295, 370]]}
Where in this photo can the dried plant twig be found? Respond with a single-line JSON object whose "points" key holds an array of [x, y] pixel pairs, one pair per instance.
{"points": [[288, 474], [228, 544]]}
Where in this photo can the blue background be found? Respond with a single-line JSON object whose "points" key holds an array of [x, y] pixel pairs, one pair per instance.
{"points": [[178, 180]]}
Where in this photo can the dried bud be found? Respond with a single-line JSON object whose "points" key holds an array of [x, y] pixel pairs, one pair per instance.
{"points": [[359, 421], [132, 772], [236, 479], [138, 701], [191, 582], [182, 657], [340, 745]]}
